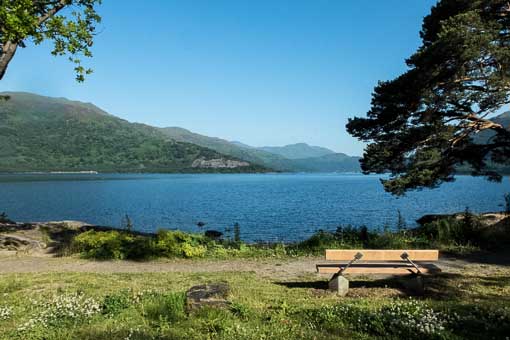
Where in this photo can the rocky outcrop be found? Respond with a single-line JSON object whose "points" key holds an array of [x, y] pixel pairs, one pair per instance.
{"points": [[212, 295], [19, 243], [218, 163], [487, 219]]}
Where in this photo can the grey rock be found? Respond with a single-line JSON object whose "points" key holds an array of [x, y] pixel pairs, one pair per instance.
{"points": [[339, 284], [209, 295], [219, 163]]}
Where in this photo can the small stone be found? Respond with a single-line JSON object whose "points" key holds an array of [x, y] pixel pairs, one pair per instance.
{"points": [[339, 284], [208, 295]]}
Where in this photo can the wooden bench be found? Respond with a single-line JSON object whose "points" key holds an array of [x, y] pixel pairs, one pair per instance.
{"points": [[413, 263]]}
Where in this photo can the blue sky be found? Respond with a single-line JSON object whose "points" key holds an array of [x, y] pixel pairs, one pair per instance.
{"points": [[264, 72]]}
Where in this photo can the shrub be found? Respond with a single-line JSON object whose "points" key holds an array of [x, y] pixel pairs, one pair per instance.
{"points": [[320, 241], [180, 244], [462, 231], [100, 244], [356, 237], [392, 240], [117, 245], [4, 218], [139, 247], [348, 237]]}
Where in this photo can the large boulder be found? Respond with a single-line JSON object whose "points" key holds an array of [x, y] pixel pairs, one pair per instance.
{"points": [[208, 295]]}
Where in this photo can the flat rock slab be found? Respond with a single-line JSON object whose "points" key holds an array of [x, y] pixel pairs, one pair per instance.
{"points": [[14, 243], [208, 295]]}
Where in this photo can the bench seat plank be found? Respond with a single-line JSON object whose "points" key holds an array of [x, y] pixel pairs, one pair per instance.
{"points": [[382, 255], [377, 268]]}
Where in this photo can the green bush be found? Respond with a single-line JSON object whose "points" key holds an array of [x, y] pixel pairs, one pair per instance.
{"points": [[118, 245], [321, 241], [5, 219], [100, 245], [465, 231], [180, 244], [348, 237]]}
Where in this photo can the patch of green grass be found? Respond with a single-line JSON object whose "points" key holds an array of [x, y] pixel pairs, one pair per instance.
{"points": [[467, 305], [168, 307]]}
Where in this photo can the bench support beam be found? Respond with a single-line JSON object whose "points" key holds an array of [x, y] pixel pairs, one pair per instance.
{"points": [[339, 284]]}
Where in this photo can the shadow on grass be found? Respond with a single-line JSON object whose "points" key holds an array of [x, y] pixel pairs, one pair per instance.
{"points": [[443, 286], [354, 283], [453, 286], [500, 257]]}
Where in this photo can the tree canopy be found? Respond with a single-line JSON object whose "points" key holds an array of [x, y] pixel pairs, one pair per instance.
{"points": [[421, 125], [69, 24]]}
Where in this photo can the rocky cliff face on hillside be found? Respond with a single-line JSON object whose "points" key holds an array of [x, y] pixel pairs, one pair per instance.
{"points": [[219, 163]]}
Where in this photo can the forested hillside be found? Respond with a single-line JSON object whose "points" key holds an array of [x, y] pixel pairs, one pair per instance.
{"points": [[54, 134]]}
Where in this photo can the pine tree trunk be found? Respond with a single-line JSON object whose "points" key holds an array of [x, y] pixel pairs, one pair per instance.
{"points": [[8, 51]]}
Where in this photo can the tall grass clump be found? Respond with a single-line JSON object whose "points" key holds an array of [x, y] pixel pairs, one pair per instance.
{"points": [[169, 307], [464, 232]]}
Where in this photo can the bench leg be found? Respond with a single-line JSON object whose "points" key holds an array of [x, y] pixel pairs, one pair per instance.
{"points": [[415, 284], [339, 284]]}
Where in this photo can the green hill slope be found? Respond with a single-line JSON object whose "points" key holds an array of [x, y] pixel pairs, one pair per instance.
{"points": [[54, 134], [319, 160]]}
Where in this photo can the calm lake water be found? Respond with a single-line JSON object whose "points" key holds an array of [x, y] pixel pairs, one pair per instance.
{"points": [[268, 207]]}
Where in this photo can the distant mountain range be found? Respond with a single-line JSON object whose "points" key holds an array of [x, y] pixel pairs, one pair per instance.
{"points": [[298, 151], [55, 134], [299, 157], [40, 133]]}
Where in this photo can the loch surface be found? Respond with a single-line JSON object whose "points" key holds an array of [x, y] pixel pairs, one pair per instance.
{"points": [[268, 207]]}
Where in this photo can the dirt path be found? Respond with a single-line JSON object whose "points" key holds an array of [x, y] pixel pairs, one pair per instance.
{"points": [[268, 268], [272, 268]]}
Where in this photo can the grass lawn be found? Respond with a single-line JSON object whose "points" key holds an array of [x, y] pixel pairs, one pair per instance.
{"points": [[466, 301]]}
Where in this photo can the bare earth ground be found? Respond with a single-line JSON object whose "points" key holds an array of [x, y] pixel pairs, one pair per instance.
{"points": [[270, 268], [281, 269]]}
